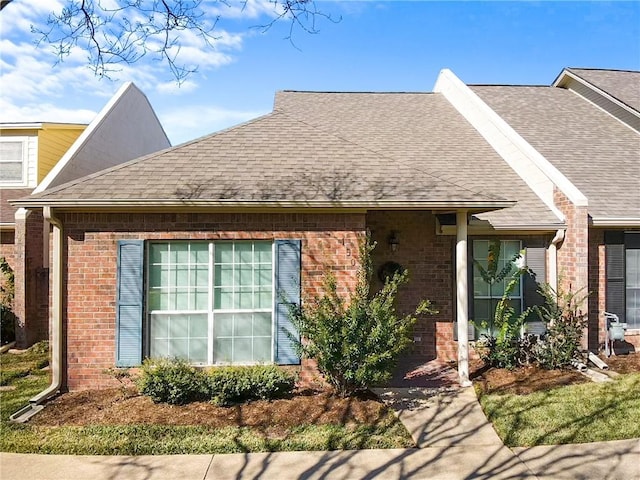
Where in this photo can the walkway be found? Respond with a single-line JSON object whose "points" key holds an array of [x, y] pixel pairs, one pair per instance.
{"points": [[454, 437]]}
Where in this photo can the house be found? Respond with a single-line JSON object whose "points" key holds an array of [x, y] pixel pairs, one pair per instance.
{"points": [[38, 156], [196, 250]]}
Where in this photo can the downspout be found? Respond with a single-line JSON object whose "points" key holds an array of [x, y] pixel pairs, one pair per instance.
{"points": [[553, 259], [35, 403]]}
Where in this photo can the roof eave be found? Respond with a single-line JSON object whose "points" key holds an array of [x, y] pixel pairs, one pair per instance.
{"points": [[615, 222], [151, 204]]}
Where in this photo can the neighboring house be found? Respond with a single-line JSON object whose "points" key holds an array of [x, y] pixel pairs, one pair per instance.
{"points": [[38, 156], [201, 246]]}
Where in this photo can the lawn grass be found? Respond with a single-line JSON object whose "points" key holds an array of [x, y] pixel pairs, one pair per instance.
{"points": [[23, 373], [14, 366], [589, 412]]}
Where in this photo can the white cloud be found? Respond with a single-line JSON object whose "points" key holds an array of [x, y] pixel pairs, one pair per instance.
{"points": [[188, 122], [44, 112]]}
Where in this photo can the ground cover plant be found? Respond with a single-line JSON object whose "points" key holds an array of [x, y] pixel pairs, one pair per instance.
{"points": [[535, 406]]}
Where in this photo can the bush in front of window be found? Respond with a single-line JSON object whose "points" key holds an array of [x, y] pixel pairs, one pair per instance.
{"points": [[565, 323], [228, 385], [175, 381], [356, 345], [172, 381]]}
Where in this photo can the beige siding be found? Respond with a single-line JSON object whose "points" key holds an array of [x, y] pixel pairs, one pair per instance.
{"points": [[53, 144]]}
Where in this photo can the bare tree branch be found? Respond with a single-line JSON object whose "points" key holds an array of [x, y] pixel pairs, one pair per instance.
{"points": [[120, 32]]}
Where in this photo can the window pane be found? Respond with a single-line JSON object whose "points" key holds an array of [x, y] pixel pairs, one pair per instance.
{"points": [[224, 275], [262, 349], [262, 325], [262, 252], [224, 252], [10, 172], [159, 253], [243, 252], [264, 299], [223, 350], [199, 253], [223, 298], [246, 275], [224, 325], [198, 350], [179, 347], [242, 325], [242, 351]]}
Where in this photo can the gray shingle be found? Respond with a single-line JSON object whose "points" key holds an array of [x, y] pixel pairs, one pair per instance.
{"points": [[599, 154], [620, 84], [367, 147]]}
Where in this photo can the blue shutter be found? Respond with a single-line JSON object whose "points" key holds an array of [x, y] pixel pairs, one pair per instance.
{"points": [[129, 303], [287, 266]]}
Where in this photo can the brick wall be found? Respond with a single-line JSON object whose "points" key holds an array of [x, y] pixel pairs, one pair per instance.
{"points": [[429, 259], [330, 242], [598, 293], [573, 254], [31, 281]]}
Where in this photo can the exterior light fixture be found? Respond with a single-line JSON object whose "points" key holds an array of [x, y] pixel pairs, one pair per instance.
{"points": [[393, 241]]}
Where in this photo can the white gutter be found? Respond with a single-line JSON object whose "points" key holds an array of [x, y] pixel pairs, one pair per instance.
{"points": [[615, 222], [208, 203], [553, 259], [55, 342]]}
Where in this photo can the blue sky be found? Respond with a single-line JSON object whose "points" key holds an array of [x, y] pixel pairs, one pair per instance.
{"points": [[377, 46]]}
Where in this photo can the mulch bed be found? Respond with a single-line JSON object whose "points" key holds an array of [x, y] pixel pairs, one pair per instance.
{"points": [[522, 381], [125, 406], [121, 406]]}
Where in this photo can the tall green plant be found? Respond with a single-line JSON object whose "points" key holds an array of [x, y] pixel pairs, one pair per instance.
{"points": [[503, 347], [356, 344], [565, 323]]}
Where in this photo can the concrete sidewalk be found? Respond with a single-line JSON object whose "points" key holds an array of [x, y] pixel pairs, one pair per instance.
{"points": [[456, 442]]}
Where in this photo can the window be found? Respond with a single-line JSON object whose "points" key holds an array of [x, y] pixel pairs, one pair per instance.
{"points": [[623, 276], [487, 294], [211, 303], [633, 287], [12, 160]]}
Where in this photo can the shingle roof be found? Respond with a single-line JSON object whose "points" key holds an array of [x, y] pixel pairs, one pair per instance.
{"points": [[597, 153], [620, 84], [7, 211], [424, 130], [365, 148]]}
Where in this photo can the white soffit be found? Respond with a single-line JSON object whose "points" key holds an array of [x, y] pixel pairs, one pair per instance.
{"points": [[536, 171]]}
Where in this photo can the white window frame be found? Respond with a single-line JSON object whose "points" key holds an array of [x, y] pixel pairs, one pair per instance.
{"points": [[211, 311], [516, 295], [25, 160]]}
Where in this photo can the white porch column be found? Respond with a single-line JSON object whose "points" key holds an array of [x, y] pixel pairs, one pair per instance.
{"points": [[462, 298]]}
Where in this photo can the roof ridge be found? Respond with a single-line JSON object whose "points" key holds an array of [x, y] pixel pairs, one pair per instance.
{"points": [[591, 69]]}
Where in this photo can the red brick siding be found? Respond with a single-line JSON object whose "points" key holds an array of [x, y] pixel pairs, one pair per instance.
{"points": [[573, 254], [31, 281], [598, 290], [330, 242], [429, 259]]}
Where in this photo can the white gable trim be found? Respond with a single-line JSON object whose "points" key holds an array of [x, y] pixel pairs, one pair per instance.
{"points": [[100, 147], [536, 171], [599, 98]]}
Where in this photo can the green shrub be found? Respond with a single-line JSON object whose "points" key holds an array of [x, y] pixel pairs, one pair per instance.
{"points": [[177, 382], [355, 345], [7, 293], [172, 381], [238, 384], [565, 323]]}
